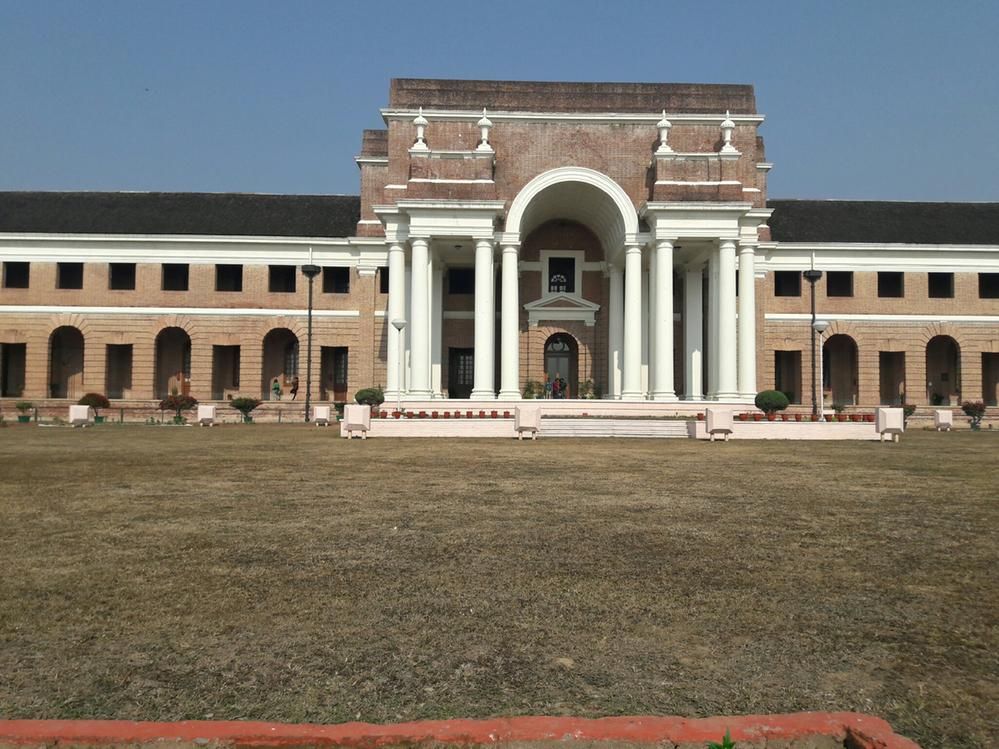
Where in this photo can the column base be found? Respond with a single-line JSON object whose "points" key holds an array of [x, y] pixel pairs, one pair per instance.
{"points": [[633, 396], [482, 395], [509, 395], [418, 395], [726, 396], [665, 395], [693, 397]]}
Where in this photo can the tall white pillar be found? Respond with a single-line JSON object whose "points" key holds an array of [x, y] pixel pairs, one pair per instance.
{"points": [[615, 331], [728, 388], [663, 388], [646, 381], [436, 322], [420, 325], [747, 321], [510, 326], [632, 386], [485, 322], [693, 333], [650, 327], [396, 311]]}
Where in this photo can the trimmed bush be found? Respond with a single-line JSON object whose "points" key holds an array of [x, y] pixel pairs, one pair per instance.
{"points": [[178, 403], [245, 405], [370, 396], [96, 401], [974, 410], [908, 409], [771, 401], [24, 406]]}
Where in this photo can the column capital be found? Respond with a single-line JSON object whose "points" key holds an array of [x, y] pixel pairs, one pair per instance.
{"points": [[727, 243], [509, 247], [633, 248], [748, 247]]}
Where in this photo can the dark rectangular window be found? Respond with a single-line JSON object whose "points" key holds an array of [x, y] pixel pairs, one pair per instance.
{"points": [[787, 283], [383, 280], [175, 276], [69, 275], [336, 280], [461, 281], [839, 283], [562, 275], [228, 278], [941, 285], [15, 275], [281, 278], [121, 276], [988, 285], [891, 284]]}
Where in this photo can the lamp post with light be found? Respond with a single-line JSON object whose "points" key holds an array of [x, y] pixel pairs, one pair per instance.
{"points": [[812, 276], [310, 271], [399, 325], [819, 327]]}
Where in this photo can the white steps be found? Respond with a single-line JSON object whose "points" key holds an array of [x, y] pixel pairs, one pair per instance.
{"points": [[647, 428]]}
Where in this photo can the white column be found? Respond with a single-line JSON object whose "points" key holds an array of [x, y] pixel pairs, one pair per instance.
{"points": [[727, 374], [485, 322], [632, 386], [646, 332], [650, 327], [712, 327], [510, 326], [662, 387], [420, 325], [747, 321], [615, 331], [436, 322], [693, 335], [396, 311]]}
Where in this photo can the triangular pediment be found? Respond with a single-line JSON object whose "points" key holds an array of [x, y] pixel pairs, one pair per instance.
{"points": [[562, 302]]}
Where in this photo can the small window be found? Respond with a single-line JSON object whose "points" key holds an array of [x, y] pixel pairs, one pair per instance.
{"points": [[15, 275], [383, 280], [839, 283], [69, 275], [941, 285], [336, 280], [281, 278], [787, 283], [988, 285], [228, 278], [121, 277], [175, 276], [891, 284], [461, 281], [562, 275]]}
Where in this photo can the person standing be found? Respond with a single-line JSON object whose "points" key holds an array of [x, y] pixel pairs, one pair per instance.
{"points": [[294, 387]]}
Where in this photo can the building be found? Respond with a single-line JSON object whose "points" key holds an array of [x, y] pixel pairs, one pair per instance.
{"points": [[617, 235]]}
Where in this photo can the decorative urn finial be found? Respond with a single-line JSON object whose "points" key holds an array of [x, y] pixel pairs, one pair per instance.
{"points": [[421, 126], [484, 124], [664, 125], [727, 128]]}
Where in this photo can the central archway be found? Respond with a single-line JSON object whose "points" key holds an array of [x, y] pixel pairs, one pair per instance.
{"points": [[562, 364]]}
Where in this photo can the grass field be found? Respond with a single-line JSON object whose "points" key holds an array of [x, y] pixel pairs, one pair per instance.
{"points": [[280, 573]]}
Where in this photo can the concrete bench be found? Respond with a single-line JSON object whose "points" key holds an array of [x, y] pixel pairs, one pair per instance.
{"points": [[943, 419], [890, 422], [206, 416], [356, 418], [718, 422], [79, 416], [321, 415], [527, 420]]}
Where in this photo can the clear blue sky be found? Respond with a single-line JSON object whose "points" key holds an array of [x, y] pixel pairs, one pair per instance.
{"points": [[877, 100]]}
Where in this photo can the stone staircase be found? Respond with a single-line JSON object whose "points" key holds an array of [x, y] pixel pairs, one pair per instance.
{"points": [[643, 428]]}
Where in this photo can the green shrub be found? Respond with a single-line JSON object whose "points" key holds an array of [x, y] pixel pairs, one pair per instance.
{"points": [[726, 742], [24, 406], [244, 405], [908, 409], [532, 390], [370, 396], [96, 401], [974, 410], [178, 403], [771, 401]]}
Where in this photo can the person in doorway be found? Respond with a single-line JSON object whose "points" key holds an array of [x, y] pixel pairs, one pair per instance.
{"points": [[294, 387], [556, 387], [562, 388], [548, 388], [275, 389]]}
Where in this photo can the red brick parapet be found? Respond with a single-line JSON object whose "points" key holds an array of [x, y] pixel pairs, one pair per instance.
{"points": [[849, 730]]}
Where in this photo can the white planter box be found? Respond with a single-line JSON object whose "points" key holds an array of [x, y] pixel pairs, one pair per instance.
{"points": [[79, 416], [321, 415], [719, 422], [356, 418], [527, 420], [943, 419], [891, 422], [206, 416]]}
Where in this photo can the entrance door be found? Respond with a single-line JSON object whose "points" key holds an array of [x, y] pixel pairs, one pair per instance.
{"points": [[892, 374], [562, 363], [12, 356], [461, 372]]}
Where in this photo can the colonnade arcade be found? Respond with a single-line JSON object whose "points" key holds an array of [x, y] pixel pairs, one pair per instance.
{"points": [[709, 248]]}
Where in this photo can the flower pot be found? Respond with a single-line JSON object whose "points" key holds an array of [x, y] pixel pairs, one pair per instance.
{"points": [[840, 417], [247, 419], [771, 417], [423, 414], [797, 417], [482, 414], [506, 414], [447, 414], [783, 417], [396, 414], [99, 419], [700, 417], [468, 414], [869, 418], [742, 417], [24, 419], [494, 414], [757, 417], [855, 417], [433, 414]]}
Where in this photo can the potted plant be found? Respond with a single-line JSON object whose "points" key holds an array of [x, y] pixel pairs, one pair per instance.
{"points": [[743, 416], [372, 397], [96, 401], [770, 402], [908, 409], [974, 410], [23, 417], [797, 417], [178, 403], [245, 405]]}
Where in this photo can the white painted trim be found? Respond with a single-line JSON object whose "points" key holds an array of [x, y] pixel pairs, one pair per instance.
{"points": [[579, 256], [868, 258], [371, 159], [702, 183], [675, 155], [847, 317], [435, 181], [598, 117], [50, 309], [868, 246]]}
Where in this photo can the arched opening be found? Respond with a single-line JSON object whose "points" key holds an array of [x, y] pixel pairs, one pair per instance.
{"points": [[173, 363], [280, 369], [561, 366], [943, 371], [839, 370], [66, 363]]}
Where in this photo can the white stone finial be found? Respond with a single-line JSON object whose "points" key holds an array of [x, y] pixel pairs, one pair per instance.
{"points": [[421, 126], [727, 128], [484, 124], [664, 126]]}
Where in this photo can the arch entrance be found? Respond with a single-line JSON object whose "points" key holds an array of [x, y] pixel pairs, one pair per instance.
{"points": [[66, 363], [943, 371], [562, 366], [173, 362]]}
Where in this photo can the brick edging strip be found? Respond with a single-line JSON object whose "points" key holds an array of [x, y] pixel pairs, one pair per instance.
{"points": [[856, 730]]}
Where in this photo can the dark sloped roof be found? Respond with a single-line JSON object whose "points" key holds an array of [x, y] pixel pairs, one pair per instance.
{"points": [[180, 213], [546, 96], [884, 221]]}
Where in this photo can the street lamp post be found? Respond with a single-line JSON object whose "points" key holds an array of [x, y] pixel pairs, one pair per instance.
{"points": [[812, 276], [310, 271], [819, 327], [399, 325]]}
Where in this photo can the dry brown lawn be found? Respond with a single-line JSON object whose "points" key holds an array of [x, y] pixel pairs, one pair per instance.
{"points": [[281, 573]]}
